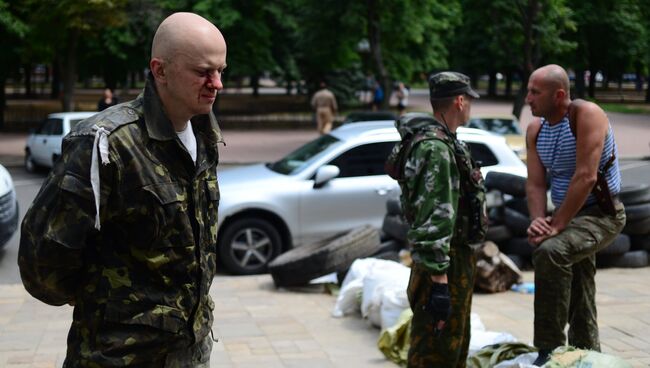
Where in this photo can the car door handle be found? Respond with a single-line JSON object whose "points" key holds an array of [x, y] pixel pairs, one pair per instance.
{"points": [[383, 191]]}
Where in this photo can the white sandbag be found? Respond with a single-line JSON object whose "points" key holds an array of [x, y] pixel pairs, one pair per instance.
{"points": [[393, 303], [348, 300], [383, 276], [480, 338]]}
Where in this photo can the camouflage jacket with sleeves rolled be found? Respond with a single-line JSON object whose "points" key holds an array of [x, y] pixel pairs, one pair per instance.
{"points": [[443, 196], [140, 284]]}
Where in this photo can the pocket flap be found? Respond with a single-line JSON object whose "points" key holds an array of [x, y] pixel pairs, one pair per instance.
{"points": [[166, 193], [213, 189], [162, 317], [73, 184]]}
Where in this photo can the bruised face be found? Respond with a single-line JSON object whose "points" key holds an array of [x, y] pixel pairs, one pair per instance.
{"points": [[194, 78], [541, 96]]}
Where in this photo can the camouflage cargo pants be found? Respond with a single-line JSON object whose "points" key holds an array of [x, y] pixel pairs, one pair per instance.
{"points": [[451, 348], [565, 290]]}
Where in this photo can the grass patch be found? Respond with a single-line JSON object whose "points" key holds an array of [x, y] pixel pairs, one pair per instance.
{"points": [[626, 109]]}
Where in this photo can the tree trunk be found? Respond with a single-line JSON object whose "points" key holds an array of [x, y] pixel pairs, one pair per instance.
{"points": [[580, 84], [592, 84], [3, 101], [255, 83], [531, 53], [55, 90], [647, 90], [28, 80], [70, 72], [508, 91], [374, 39], [492, 85]]}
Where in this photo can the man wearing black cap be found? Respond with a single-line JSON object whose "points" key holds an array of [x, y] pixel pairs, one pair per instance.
{"points": [[443, 200]]}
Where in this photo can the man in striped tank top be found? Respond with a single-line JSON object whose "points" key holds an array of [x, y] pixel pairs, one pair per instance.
{"points": [[571, 141]]}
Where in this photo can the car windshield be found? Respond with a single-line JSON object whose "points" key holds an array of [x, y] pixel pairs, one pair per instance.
{"points": [[300, 158], [495, 125]]}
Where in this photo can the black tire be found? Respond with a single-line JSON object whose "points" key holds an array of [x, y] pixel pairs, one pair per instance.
{"points": [[395, 227], [389, 246], [393, 206], [30, 165], [247, 246], [517, 246], [506, 183], [640, 227], [498, 233], [302, 264], [620, 245], [388, 256], [520, 261], [634, 194], [640, 242], [635, 212], [633, 259], [518, 204], [517, 222]]}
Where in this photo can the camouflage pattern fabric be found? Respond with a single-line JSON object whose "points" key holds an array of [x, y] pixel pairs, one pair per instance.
{"points": [[432, 191], [565, 290], [140, 285]]}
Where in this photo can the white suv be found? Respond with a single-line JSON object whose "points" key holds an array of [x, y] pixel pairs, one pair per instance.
{"points": [[331, 184], [8, 207], [44, 145]]}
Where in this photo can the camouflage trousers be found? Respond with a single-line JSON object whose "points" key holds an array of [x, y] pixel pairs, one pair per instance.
{"points": [[565, 289], [451, 348]]}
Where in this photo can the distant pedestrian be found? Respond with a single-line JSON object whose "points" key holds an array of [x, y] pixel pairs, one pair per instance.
{"points": [[402, 95], [377, 96], [107, 100], [325, 106], [573, 143]]}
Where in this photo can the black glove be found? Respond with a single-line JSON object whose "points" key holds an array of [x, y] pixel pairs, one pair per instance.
{"points": [[439, 306]]}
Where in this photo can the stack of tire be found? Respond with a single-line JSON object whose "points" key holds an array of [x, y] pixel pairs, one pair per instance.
{"points": [[509, 222], [630, 249]]}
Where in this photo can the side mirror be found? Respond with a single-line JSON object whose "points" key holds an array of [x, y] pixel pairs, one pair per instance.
{"points": [[325, 174]]}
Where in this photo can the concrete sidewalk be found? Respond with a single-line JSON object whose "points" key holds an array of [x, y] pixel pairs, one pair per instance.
{"points": [[260, 326]]}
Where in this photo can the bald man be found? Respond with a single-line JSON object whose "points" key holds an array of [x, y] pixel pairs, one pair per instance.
{"points": [[125, 227], [573, 142]]}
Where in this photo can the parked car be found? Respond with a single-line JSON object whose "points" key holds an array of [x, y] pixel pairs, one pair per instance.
{"points": [[44, 144], [507, 126], [329, 185], [8, 207], [358, 116]]}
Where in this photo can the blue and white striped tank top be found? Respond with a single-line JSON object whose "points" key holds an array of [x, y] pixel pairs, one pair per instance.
{"points": [[556, 147]]}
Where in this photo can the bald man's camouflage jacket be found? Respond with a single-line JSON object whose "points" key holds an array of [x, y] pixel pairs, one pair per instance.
{"points": [[140, 284], [443, 192]]}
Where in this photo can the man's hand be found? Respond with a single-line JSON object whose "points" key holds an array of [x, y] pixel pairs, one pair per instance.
{"points": [[439, 306], [540, 229]]}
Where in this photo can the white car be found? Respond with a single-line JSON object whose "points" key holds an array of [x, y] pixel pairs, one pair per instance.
{"points": [[8, 207], [44, 145], [331, 184]]}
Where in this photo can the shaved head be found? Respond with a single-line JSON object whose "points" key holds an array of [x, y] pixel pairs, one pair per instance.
{"points": [[183, 33], [188, 57], [554, 77]]}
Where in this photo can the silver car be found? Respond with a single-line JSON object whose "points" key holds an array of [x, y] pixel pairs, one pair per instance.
{"points": [[44, 144], [8, 207], [331, 184]]}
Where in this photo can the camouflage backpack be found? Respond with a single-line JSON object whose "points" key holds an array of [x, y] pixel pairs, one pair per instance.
{"points": [[472, 197]]}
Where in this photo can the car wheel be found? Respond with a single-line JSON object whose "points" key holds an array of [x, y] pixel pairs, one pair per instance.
{"points": [[248, 245], [30, 165]]}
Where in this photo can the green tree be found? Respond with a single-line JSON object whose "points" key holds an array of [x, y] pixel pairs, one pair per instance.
{"points": [[611, 38], [12, 31], [61, 25]]}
